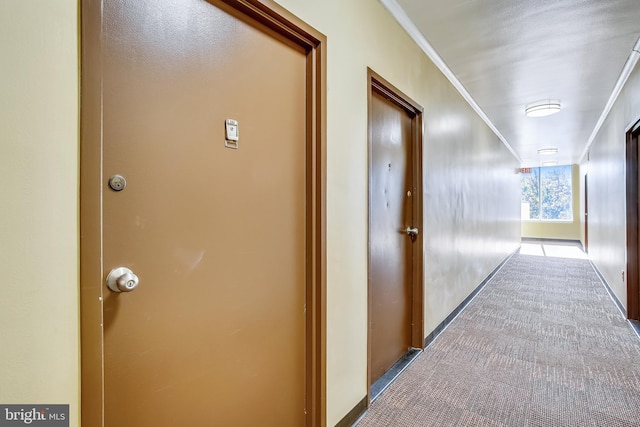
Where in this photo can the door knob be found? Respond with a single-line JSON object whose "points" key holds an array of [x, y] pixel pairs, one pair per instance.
{"points": [[413, 232], [122, 279]]}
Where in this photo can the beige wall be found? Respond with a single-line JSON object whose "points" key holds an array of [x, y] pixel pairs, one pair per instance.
{"points": [[471, 192], [39, 209], [605, 169], [560, 230]]}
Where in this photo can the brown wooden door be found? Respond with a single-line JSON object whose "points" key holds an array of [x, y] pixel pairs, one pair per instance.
{"points": [[214, 335], [633, 222], [393, 195]]}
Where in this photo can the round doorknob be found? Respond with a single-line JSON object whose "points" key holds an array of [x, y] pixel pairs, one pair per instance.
{"points": [[413, 232], [122, 279]]}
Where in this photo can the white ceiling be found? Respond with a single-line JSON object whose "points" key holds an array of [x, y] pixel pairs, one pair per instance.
{"points": [[509, 53]]}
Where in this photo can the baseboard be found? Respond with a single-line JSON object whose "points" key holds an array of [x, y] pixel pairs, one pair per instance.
{"points": [[442, 326], [392, 373], [560, 241], [609, 291], [354, 415], [636, 326]]}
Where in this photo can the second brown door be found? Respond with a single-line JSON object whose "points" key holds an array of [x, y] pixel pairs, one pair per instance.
{"points": [[392, 232]]}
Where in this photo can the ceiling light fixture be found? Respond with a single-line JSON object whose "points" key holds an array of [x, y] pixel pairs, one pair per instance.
{"points": [[547, 151], [542, 108], [551, 163]]}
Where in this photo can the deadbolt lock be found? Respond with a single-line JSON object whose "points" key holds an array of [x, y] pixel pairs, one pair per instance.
{"points": [[117, 182]]}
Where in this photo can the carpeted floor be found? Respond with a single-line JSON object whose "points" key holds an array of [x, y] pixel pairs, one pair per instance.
{"points": [[541, 345]]}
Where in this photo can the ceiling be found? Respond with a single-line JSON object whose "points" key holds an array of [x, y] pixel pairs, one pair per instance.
{"points": [[509, 53]]}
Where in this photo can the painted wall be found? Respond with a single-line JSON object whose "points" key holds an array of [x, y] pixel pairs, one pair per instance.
{"points": [[471, 192], [39, 209], [560, 230], [471, 189], [605, 167]]}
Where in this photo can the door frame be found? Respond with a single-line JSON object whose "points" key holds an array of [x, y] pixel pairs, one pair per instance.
{"points": [[586, 213], [92, 273], [633, 218], [377, 83]]}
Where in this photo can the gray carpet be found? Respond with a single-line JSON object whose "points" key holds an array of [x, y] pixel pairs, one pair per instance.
{"points": [[541, 345]]}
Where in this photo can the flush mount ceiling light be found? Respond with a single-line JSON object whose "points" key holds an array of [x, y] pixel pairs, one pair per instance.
{"points": [[550, 163], [547, 151], [542, 108]]}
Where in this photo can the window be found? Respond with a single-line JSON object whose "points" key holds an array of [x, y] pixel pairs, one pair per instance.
{"points": [[546, 194]]}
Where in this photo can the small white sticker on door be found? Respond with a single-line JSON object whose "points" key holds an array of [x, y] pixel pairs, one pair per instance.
{"points": [[231, 133]]}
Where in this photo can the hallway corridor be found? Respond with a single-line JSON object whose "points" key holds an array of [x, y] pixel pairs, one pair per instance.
{"points": [[542, 344]]}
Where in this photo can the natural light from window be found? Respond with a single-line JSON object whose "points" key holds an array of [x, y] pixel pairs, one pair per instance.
{"points": [[555, 251]]}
